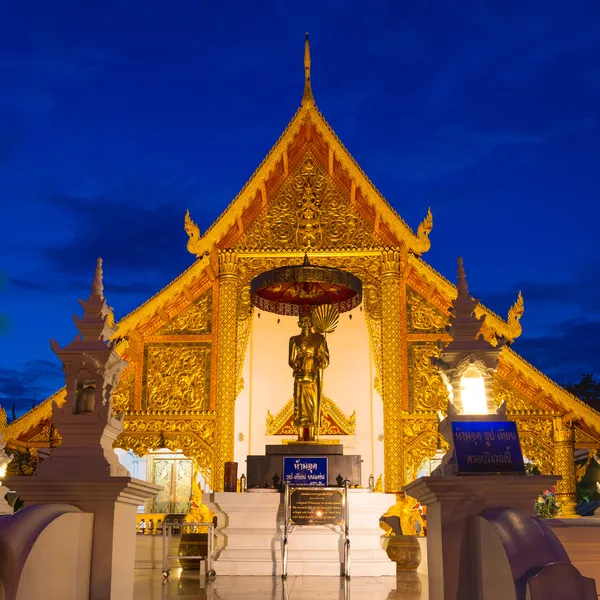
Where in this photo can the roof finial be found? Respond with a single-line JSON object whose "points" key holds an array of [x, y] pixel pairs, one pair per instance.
{"points": [[463, 288], [97, 285], [307, 98]]}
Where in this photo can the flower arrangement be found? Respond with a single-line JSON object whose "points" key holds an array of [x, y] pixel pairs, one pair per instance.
{"points": [[547, 506]]}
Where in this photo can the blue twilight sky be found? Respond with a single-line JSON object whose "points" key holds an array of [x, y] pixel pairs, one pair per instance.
{"points": [[116, 116]]}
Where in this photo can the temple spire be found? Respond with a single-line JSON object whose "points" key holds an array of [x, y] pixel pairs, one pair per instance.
{"points": [[463, 287], [307, 97], [98, 285]]}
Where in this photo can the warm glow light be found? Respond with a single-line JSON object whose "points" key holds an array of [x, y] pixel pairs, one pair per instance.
{"points": [[472, 391], [3, 470]]}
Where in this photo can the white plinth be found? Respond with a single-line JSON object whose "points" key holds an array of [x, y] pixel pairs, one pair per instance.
{"points": [[249, 537]]}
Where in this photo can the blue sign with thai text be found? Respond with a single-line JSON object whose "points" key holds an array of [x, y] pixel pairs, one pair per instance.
{"points": [[487, 447], [305, 472]]}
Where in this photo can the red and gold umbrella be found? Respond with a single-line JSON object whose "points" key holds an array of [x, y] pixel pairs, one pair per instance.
{"points": [[301, 288]]}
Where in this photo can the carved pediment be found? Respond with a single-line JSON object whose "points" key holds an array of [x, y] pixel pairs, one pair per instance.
{"points": [[424, 316], [193, 320], [309, 211], [333, 421]]}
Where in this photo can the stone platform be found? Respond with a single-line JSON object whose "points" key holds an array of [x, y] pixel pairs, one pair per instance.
{"points": [[267, 470], [249, 537]]}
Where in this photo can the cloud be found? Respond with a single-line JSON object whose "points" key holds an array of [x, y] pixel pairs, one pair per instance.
{"points": [[570, 350], [581, 292], [451, 149], [137, 230], [81, 286], [34, 379]]}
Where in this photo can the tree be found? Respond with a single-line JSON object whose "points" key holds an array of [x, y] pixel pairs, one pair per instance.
{"points": [[587, 390]]}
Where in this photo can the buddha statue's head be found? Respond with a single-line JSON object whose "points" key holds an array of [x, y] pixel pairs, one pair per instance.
{"points": [[305, 323]]}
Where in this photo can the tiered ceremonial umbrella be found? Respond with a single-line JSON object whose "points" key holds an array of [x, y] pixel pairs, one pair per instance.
{"points": [[301, 288]]}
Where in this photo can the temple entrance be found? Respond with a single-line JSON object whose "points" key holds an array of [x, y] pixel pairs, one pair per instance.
{"points": [[173, 472]]}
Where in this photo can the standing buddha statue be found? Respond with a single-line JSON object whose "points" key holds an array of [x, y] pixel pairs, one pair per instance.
{"points": [[308, 357]]}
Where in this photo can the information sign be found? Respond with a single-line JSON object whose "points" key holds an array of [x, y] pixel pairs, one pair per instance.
{"points": [[487, 447], [305, 471], [316, 506]]}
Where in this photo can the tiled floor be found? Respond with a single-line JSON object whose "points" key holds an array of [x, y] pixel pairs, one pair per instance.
{"points": [[149, 586]]}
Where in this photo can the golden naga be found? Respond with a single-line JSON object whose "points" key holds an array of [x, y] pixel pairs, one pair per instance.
{"points": [[408, 510], [495, 328], [308, 357], [515, 313], [423, 231], [194, 244]]}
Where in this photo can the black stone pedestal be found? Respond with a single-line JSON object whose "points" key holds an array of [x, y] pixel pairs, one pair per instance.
{"points": [[267, 471]]}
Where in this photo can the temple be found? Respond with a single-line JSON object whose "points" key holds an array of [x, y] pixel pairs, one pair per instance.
{"points": [[207, 379]]}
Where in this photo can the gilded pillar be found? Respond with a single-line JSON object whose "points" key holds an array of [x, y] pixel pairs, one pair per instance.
{"points": [[226, 368], [391, 338], [564, 465]]}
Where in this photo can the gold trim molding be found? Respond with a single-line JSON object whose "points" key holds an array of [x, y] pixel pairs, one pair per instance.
{"points": [[333, 420]]}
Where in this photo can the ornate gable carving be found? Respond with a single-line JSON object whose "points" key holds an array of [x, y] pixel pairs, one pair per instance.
{"points": [[308, 212], [333, 421], [424, 316], [193, 320]]}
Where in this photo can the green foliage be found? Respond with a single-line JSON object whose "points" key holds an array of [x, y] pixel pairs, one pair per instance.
{"points": [[532, 469], [547, 506]]}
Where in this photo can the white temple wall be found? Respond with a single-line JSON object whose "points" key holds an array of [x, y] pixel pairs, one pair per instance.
{"points": [[348, 381], [133, 463]]}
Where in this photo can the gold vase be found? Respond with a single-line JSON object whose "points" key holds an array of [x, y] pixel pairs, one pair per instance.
{"points": [[404, 550]]}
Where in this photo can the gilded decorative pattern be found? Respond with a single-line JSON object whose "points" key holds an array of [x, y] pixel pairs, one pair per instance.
{"points": [[391, 313], [123, 396], [309, 212], [428, 390], [23, 462], [187, 280], [194, 447], [43, 437], [535, 435], [177, 376], [417, 243], [199, 423], [194, 320], [375, 342], [581, 470], [333, 421], [423, 316], [421, 441], [585, 440], [504, 392], [226, 366], [564, 463], [244, 327]]}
